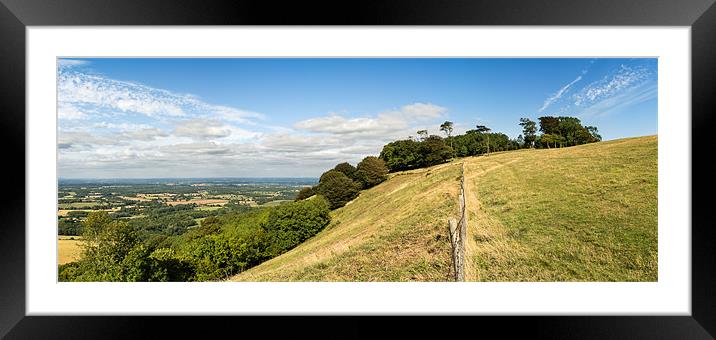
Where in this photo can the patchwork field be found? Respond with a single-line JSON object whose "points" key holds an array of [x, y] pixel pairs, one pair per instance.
{"points": [[213, 202]]}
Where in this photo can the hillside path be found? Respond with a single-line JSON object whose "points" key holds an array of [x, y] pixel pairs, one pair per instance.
{"points": [[475, 168]]}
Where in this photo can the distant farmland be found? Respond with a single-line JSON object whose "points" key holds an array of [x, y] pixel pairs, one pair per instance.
{"points": [[69, 249]]}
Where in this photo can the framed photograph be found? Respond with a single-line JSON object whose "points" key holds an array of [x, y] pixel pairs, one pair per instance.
{"points": [[429, 160]]}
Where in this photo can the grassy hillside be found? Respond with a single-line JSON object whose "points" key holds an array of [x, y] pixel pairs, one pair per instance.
{"points": [[585, 213], [396, 231]]}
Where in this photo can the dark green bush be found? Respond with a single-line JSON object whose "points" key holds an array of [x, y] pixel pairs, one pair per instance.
{"points": [[305, 193], [290, 224], [347, 169], [371, 171], [219, 256], [337, 188]]}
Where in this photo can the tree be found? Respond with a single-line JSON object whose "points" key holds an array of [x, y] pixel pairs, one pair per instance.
{"points": [[401, 155], [422, 134], [371, 171], [571, 130], [594, 132], [447, 127], [485, 130], [305, 193], [549, 125], [347, 169], [112, 251], [546, 139], [529, 130], [433, 150], [337, 188], [290, 224]]}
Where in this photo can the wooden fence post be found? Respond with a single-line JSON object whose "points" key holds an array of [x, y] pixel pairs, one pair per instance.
{"points": [[458, 232]]}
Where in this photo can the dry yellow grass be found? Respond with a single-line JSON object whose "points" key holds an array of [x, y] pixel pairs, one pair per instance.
{"points": [[69, 249], [396, 231]]}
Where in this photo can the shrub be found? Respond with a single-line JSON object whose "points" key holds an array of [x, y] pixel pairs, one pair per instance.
{"points": [[305, 193], [218, 256], [290, 224], [371, 171], [347, 169], [68, 272], [166, 265], [337, 188]]}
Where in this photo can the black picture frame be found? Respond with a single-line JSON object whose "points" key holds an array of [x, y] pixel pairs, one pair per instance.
{"points": [[15, 15]]}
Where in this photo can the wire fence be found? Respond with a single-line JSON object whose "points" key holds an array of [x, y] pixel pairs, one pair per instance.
{"points": [[458, 231]]}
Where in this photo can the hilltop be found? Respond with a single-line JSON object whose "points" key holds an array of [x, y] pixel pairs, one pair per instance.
{"points": [[583, 213]]}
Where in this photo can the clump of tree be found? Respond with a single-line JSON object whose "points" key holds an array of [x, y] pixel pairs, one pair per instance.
{"points": [[289, 225], [565, 131], [480, 141], [371, 171], [342, 184], [348, 170], [305, 193], [337, 188], [411, 154]]}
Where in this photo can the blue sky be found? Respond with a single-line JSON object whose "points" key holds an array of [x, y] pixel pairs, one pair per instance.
{"points": [[160, 117]]}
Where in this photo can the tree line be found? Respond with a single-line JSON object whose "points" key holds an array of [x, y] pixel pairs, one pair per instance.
{"points": [[343, 183], [427, 150]]}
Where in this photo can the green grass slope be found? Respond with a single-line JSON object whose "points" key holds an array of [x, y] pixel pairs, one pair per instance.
{"points": [[584, 213], [396, 231]]}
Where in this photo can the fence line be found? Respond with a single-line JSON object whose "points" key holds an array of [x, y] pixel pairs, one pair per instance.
{"points": [[458, 230]]}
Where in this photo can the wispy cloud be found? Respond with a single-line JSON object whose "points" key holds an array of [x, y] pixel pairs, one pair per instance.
{"points": [[631, 96], [113, 128], [119, 97], [624, 78], [557, 95], [621, 88]]}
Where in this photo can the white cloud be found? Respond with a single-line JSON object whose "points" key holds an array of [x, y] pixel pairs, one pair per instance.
{"points": [[422, 111], [557, 95], [69, 112], [625, 78], [201, 129], [68, 63], [121, 97], [145, 134], [384, 123]]}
